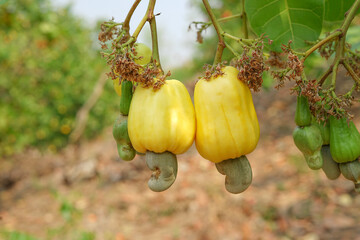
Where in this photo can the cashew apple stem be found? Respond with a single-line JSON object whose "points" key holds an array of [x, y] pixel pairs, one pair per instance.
{"points": [[164, 166], [219, 32], [244, 21], [238, 174], [126, 25], [154, 38]]}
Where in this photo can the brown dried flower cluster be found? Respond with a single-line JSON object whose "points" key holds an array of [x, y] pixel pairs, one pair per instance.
{"points": [[200, 27], [310, 89], [291, 70], [110, 31], [354, 61], [276, 60], [122, 56], [251, 68], [336, 105], [327, 49], [124, 67], [213, 71]]}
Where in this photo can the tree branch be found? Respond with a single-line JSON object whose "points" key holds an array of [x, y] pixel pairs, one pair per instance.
{"points": [[219, 32]]}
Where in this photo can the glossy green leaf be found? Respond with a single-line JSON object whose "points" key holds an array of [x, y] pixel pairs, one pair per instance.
{"points": [[284, 20]]}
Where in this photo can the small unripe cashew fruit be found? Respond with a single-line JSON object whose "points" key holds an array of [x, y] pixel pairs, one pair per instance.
{"points": [[238, 174], [164, 166]]}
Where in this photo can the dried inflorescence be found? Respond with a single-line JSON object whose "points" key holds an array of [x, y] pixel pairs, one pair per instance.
{"points": [[251, 66], [354, 62], [336, 105], [200, 27], [149, 76], [110, 31], [276, 60], [327, 49], [324, 102], [122, 56], [213, 71], [290, 69]]}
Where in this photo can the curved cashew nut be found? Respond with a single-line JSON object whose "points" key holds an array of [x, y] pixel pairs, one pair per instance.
{"points": [[314, 161], [238, 174], [330, 167], [164, 167], [351, 171]]}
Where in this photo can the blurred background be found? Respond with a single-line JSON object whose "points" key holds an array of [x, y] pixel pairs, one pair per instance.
{"points": [[61, 177]]}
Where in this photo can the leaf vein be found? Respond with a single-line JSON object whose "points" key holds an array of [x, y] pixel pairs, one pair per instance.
{"points": [[277, 15], [291, 28], [275, 39], [305, 26], [259, 9], [306, 10]]}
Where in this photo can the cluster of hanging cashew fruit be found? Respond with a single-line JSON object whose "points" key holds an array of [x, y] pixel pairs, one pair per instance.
{"points": [[163, 122], [332, 145]]}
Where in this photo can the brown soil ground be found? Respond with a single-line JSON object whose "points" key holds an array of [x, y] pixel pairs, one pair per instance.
{"points": [[86, 192]]}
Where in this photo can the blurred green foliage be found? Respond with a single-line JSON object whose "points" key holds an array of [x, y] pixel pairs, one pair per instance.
{"points": [[49, 64], [14, 235], [205, 52]]}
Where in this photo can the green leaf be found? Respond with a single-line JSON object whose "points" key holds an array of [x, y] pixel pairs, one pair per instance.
{"points": [[335, 13], [284, 20], [336, 9]]}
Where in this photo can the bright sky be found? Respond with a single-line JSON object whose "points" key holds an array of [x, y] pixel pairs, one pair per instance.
{"points": [[176, 42]]}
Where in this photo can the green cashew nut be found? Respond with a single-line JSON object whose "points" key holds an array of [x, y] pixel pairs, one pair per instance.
{"points": [[126, 152], [164, 166], [351, 171], [309, 141], [314, 161], [238, 174], [330, 167]]}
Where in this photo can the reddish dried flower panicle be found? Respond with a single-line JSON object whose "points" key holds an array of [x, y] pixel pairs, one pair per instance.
{"points": [[124, 67], [291, 70], [354, 62], [327, 49], [310, 89], [251, 68], [213, 71], [338, 106], [160, 80], [108, 31], [295, 64], [121, 58], [322, 102], [276, 59]]}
